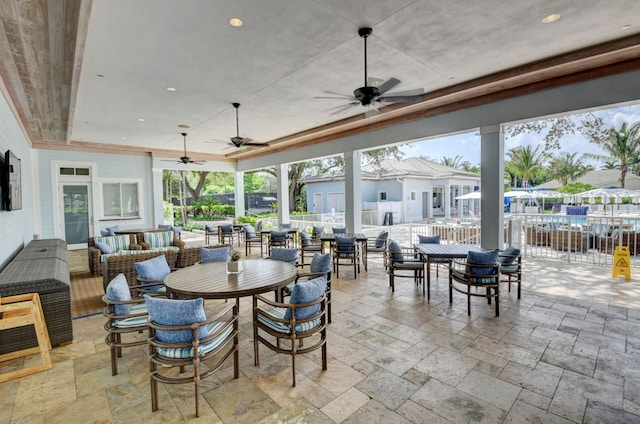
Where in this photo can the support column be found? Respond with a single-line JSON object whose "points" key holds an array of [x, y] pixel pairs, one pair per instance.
{"points": [[282, 189], [492, 178], [446, 200], [239, 194], [157, 200], [353, 191]]}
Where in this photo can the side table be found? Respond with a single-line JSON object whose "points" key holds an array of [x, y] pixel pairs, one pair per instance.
{"points": [[19, 311]]}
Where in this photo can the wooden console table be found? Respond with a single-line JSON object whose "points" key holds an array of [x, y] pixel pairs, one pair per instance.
{"points": [[20, 311]]}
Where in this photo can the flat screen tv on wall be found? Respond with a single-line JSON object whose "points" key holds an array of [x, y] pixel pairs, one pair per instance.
{"points": [[12, 187]]}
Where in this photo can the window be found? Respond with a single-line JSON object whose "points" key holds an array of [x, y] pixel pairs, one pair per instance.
{"points": [[413, 196], [120, 200], [383, 195]]}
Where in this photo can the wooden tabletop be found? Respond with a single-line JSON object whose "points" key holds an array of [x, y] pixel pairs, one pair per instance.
{"points": [[211, 281]]}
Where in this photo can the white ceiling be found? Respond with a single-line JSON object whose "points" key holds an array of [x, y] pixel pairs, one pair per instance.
{"points": [[285, 54]]}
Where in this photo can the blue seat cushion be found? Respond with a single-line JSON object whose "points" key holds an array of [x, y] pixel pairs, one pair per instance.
{"points": [[343, 230], [277, 235], [429, 239], [118, 290], [304, 292], [176, 312], [487, 257], [153, 269], [317, 231], [320, 262], [227, 228], [509, 255], [340, 241], [305, 238], [217, 254], [209, 228], [285, 328]]}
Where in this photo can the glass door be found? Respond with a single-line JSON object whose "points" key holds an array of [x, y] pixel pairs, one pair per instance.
{"points": [[76, 205]]}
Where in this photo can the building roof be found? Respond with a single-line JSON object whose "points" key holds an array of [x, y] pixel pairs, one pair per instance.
{"points": [[599, 178], [390, 169]]}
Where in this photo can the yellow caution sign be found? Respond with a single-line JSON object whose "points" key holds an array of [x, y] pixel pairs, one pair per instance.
{"points": [[621, 263]]}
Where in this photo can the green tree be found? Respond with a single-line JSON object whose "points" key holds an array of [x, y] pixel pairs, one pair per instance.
{"points": [[456, 162], [620, 144], [574, 188], [610, 164], [566, 167], [525, 162]]}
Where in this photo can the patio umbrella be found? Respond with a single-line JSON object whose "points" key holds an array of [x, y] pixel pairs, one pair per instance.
{"points": [[608, 193], [469, 196]]}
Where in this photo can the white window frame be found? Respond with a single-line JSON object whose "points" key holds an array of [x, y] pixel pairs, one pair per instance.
{"points": [[120, 181], [382, 194]]}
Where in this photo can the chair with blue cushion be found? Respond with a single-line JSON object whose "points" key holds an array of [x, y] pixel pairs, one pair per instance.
{"points": [[436, 261], [284, 255], [320, 266], [181, 335], [307, 245], [277, 238], [126, 317], [316, 232], [304, 317], [404, 262], [251, 239], [340, 230], [479, 270], [346, 251], [151, 275], [209, 231], [510, 262], [376, 245], [227, 232]]}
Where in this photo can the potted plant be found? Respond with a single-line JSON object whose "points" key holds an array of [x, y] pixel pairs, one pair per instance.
{"points": [[234, 266]]}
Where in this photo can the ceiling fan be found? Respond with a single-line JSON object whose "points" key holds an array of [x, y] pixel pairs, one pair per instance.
{"points": [[237, 140], [374, 89], [186, 159]]}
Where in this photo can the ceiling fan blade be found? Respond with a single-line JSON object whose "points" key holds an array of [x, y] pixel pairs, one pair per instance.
{"points": [[343, 108], [405, 93], [400, 99], [371, 112], [388, 85], [253, 144], [333, 98]]}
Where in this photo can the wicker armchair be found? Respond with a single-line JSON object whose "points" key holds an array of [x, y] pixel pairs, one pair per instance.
{"points": [[125, 264], [141, 237], [95, 254]]}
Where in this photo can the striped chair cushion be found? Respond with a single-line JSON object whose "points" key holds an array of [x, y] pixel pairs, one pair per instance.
{"points": [[203, 349], [285, 328], [159, 239], [134, 321], [114, 242]]}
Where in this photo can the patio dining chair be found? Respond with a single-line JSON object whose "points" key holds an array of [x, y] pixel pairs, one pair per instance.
{"points": [[404, 263], [346, 251], [181, 335], [307, 245], [434, 240], [151, 274], [277, 239], [228, 232], [479, 270], [251, 238], [510, 262], [320, 266], [376, 245]]}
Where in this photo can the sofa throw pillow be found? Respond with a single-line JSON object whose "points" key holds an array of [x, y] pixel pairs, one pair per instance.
{"points": [[216, 254], [382, 238], [306, 291], [176, 312], [105, 233], [429, 239], [487, 257], [104, 247], [118, 290], [509, 255], [153, 269], [396, 251], [320, 262]]}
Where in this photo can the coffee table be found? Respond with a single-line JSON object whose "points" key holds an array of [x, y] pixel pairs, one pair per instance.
{"points": [[211, 280]]}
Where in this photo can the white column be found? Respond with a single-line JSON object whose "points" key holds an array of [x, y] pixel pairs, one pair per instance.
{"points": [[156, 201], [239, 193], [492, 177], [353, 191], [282, 189], [446, 200]]}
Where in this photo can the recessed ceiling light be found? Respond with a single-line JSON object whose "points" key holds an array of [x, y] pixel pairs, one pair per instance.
{"points": [[235, 22], [184, 126], [625, 27], [171, 89], [123, 138], [140, 119], [551, 18]]}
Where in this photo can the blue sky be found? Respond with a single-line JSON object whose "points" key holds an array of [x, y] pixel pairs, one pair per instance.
{"points": [[467, 145]]}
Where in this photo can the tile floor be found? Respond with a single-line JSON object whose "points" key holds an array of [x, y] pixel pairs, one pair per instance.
{"points": [[567, 352]]}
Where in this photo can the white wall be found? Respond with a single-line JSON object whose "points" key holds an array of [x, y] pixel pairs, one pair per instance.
{"points": [[16, 227]]}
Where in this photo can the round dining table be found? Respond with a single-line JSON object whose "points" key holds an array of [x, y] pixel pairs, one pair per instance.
{"points": [[211, 280]]}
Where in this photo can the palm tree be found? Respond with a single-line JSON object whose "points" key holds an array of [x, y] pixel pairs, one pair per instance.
{"points": [[622, 145], [525, 162], [565, 167], [610, 164], [456, 162]]}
